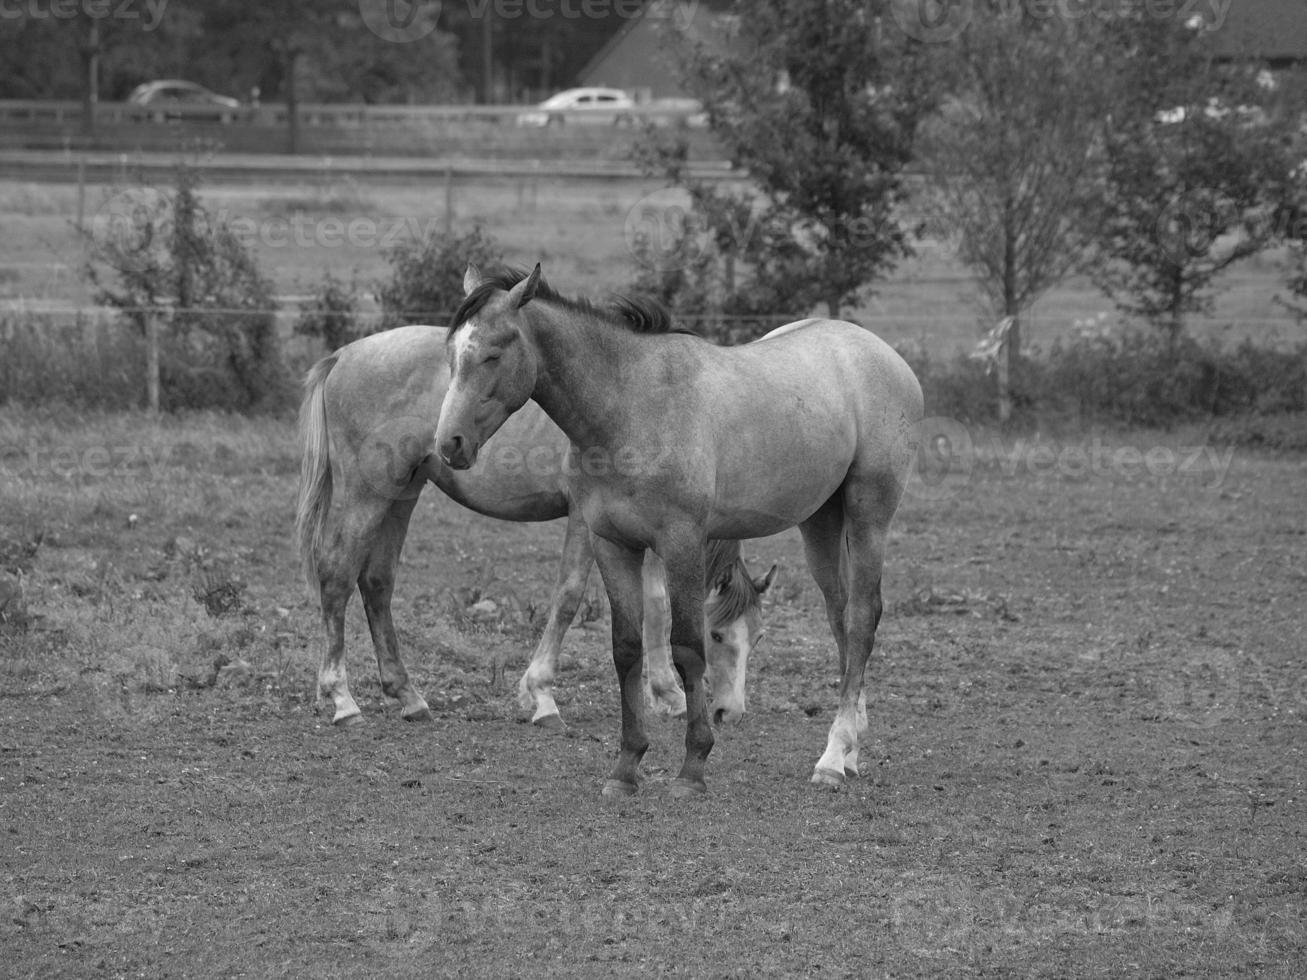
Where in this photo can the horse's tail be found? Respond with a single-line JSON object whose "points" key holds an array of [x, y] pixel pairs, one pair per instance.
{"points": [[315, 469]]}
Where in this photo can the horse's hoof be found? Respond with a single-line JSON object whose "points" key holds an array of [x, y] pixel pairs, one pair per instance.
{"points": [[851, 773], [349, 721], [828, 778], [685, 789], [550, 723], [421, 714], [618, 787]]}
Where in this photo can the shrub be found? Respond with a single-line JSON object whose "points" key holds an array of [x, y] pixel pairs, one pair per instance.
{"points": [[165, 256], [426, 276], [1135, 379], [332, 313]]}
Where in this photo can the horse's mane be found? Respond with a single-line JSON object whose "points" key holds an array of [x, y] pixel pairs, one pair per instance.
{"points": [[739, 596], [643, 316]]}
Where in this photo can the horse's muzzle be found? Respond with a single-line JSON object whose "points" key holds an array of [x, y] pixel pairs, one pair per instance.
{"points": [[457, 453]]}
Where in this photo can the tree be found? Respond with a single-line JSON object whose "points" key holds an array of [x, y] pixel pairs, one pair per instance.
{"points": [[1010, 156], [333, 50], [820, 106], [426, 275], [191, 286], [54, 50], [1196, 175]]}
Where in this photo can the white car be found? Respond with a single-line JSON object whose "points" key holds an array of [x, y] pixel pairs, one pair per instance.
{"points": [[601, 106]]}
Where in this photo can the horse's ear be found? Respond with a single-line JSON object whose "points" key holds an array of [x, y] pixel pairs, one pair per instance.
{"points": [[764, 583], [471, 279], [523, 292], [723, 580]]}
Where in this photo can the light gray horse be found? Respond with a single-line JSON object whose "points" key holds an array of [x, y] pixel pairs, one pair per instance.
{"points": [[676, 441], [368, 424]]}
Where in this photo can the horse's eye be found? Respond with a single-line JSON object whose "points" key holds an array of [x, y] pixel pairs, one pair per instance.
{"points": [[491, 358], [716, 636]]}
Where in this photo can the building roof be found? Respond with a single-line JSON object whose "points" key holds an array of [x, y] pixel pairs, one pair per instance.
{"points": [[636, 58]]}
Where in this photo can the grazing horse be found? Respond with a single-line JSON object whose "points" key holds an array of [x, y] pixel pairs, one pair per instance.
{"points": [[675, 441], [368, 426]]}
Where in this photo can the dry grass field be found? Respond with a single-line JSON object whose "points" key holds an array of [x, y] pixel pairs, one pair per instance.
{"points": [[578, 228], [1086, 754], [1088, 705]]}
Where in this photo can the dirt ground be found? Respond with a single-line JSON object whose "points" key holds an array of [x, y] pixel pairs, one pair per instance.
{"points": [[1086, 754]]}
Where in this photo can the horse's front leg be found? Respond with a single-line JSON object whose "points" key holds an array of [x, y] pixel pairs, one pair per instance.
{"points": [[662, 689], [621, 570], [685, 573], [536, 689]]}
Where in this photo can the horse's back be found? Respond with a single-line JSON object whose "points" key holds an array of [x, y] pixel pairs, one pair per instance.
{"points": [[848, 350]]}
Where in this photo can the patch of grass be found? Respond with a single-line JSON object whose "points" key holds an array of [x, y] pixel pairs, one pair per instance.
{"points": [[1110, 783]]}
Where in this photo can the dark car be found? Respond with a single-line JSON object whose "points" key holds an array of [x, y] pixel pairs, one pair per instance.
{"points": [[172, 99]]}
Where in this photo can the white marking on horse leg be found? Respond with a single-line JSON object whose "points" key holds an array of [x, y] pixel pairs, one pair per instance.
{"points": [[851, 757], [662, 688], [536, 688], [333, 684], [842, 740]]}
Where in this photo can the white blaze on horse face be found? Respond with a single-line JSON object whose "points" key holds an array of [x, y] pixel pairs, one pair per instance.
{"points": [[468, 416], [728, 668], [463, 341]]}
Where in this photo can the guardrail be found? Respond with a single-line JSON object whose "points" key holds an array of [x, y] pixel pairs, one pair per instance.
{"points": [[331, 115], [430, 132]]}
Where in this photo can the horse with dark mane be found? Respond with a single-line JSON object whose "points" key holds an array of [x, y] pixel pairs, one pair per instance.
{"points": [[811, 426]]}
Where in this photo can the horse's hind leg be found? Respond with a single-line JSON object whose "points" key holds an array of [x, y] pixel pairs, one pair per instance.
{"points": [[338, 559], [823, 544], [869, 505], [536, 688], [377, 585]]}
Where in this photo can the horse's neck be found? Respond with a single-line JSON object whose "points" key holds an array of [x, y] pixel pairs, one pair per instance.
{"points": [[579, 379]]}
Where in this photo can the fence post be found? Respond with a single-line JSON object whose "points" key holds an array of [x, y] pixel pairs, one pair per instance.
{"points": [[449, 201], [81, 192], [152, 360]]}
